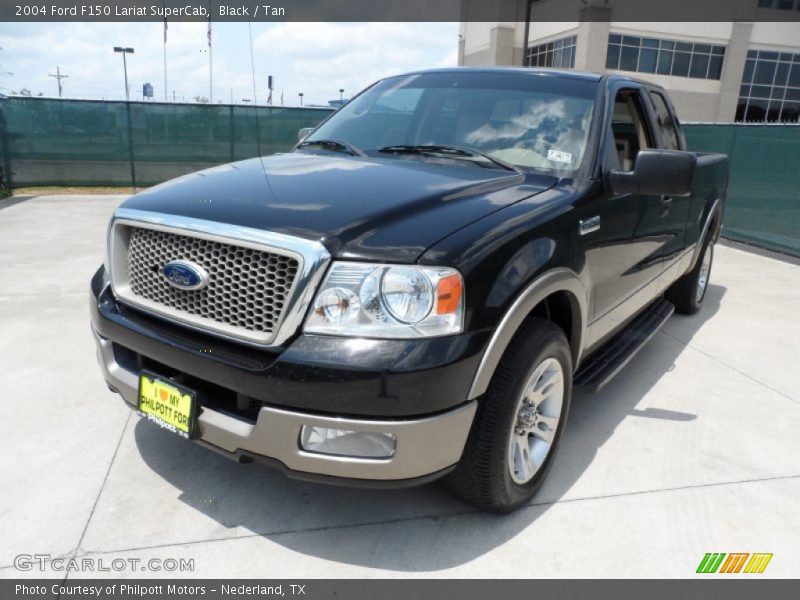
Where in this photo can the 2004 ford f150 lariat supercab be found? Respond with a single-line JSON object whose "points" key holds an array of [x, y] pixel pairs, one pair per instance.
{"points": [[414, 290]]}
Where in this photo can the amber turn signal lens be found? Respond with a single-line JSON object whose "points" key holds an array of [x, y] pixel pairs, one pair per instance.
{"points": [[448, 295]]}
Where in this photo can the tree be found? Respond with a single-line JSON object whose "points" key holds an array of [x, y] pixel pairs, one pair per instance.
{"points": [[25, 92], [201, 99]]}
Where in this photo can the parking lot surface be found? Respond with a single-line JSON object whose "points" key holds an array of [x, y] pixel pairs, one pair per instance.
{"points": [[693, 448]]}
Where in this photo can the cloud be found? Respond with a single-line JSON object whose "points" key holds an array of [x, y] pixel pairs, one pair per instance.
{"points": [[320, 58], [315, 58], [85, 52]]}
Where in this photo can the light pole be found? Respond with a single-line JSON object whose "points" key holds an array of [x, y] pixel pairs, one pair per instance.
{"points": [[125, 51], [301, 98], [341, 96]]}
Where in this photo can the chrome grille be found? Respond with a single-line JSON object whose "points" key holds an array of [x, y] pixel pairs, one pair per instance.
{"points": [[248, 289]]}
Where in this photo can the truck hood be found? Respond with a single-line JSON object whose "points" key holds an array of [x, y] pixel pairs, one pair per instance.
{"points": [[384, 209]]}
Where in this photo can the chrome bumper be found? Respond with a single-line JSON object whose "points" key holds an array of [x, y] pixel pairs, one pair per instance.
{"points": [[424, 446]]}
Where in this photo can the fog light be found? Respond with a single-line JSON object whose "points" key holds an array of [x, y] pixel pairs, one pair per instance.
{"points": [[340, 442]]}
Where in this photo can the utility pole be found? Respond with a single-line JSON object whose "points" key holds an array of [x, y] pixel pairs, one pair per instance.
{"points": [[58, 77]]}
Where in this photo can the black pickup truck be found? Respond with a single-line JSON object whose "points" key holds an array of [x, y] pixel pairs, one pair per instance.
{"points": [[416, 288]]}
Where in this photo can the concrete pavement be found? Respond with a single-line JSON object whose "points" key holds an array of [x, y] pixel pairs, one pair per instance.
{"points": [[692, 449]]}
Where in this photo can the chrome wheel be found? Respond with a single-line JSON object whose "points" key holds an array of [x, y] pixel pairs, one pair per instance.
{"points": [[705, 270], [536, 422]]}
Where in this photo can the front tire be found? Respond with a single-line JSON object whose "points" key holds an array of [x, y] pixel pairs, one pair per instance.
{"points": [[519, 423]]}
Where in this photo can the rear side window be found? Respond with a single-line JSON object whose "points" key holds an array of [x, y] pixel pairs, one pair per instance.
{"points": [[665, 123]]}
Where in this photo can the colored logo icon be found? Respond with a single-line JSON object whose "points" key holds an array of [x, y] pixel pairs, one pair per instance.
{"points": [[736, 562]]}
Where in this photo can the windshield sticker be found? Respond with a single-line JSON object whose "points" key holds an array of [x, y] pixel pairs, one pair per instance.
{"points": [[559, 156]]}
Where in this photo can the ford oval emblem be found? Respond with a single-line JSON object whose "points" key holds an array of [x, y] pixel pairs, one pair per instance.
{"points": [[185, 275]]}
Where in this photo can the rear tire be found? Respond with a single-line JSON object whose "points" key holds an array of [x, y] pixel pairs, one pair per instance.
{"points": [[519, 423], [688, 292]]}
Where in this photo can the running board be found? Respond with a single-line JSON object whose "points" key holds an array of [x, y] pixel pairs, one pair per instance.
{"points": [[604, 363]]}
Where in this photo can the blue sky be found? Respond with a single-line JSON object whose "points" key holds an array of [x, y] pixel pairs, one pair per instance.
{"points": [[315, 58]]}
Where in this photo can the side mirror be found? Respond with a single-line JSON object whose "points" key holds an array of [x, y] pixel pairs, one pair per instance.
{"points": [[656, 173], [304, 133]]}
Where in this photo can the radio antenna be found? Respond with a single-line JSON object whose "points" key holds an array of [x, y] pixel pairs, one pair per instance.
{"points": [[255, 97]]}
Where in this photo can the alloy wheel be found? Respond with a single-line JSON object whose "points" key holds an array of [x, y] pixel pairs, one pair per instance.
{"points": [[536, 422], [705, 270]]}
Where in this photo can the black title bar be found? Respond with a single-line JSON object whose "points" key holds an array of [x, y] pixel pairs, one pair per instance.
{"points": [[452, 589], [396, 10]]}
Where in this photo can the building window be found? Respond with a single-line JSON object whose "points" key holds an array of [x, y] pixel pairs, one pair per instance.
{"points": [[558, 53], [664, 57], [770, 88]]}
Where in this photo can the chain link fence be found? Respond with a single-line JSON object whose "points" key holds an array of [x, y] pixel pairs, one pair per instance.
{"points": [[92, 143], [763, 207]]}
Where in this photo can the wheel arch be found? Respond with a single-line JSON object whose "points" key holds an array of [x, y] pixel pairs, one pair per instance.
{"points": [[711, 222], [557, 295]]}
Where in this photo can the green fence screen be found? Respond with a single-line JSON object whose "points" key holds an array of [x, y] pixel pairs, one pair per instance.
{"points": [[763, 205], [93, 143]]}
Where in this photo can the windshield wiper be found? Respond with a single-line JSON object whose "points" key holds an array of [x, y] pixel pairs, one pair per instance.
{"points": [[334, 145], [449, 152]]}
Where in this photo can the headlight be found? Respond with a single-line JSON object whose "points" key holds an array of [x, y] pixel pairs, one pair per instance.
{"points": [[407, 293], [388, 301]]}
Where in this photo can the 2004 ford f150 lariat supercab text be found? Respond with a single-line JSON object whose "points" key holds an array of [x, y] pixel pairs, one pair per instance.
{"points": [[414, 290]]}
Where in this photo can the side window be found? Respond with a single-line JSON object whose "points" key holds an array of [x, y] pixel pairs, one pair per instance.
{"points": [[629, 129], [666, 126]]}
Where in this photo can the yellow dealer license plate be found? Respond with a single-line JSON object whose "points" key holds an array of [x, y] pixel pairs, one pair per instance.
{"points": [[167, 404]]}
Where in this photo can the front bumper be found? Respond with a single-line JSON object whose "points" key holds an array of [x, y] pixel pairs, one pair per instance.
{"points": [[427, 445]]}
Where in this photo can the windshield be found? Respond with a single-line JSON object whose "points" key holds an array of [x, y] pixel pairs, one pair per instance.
{"points": [[532, 121]]}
